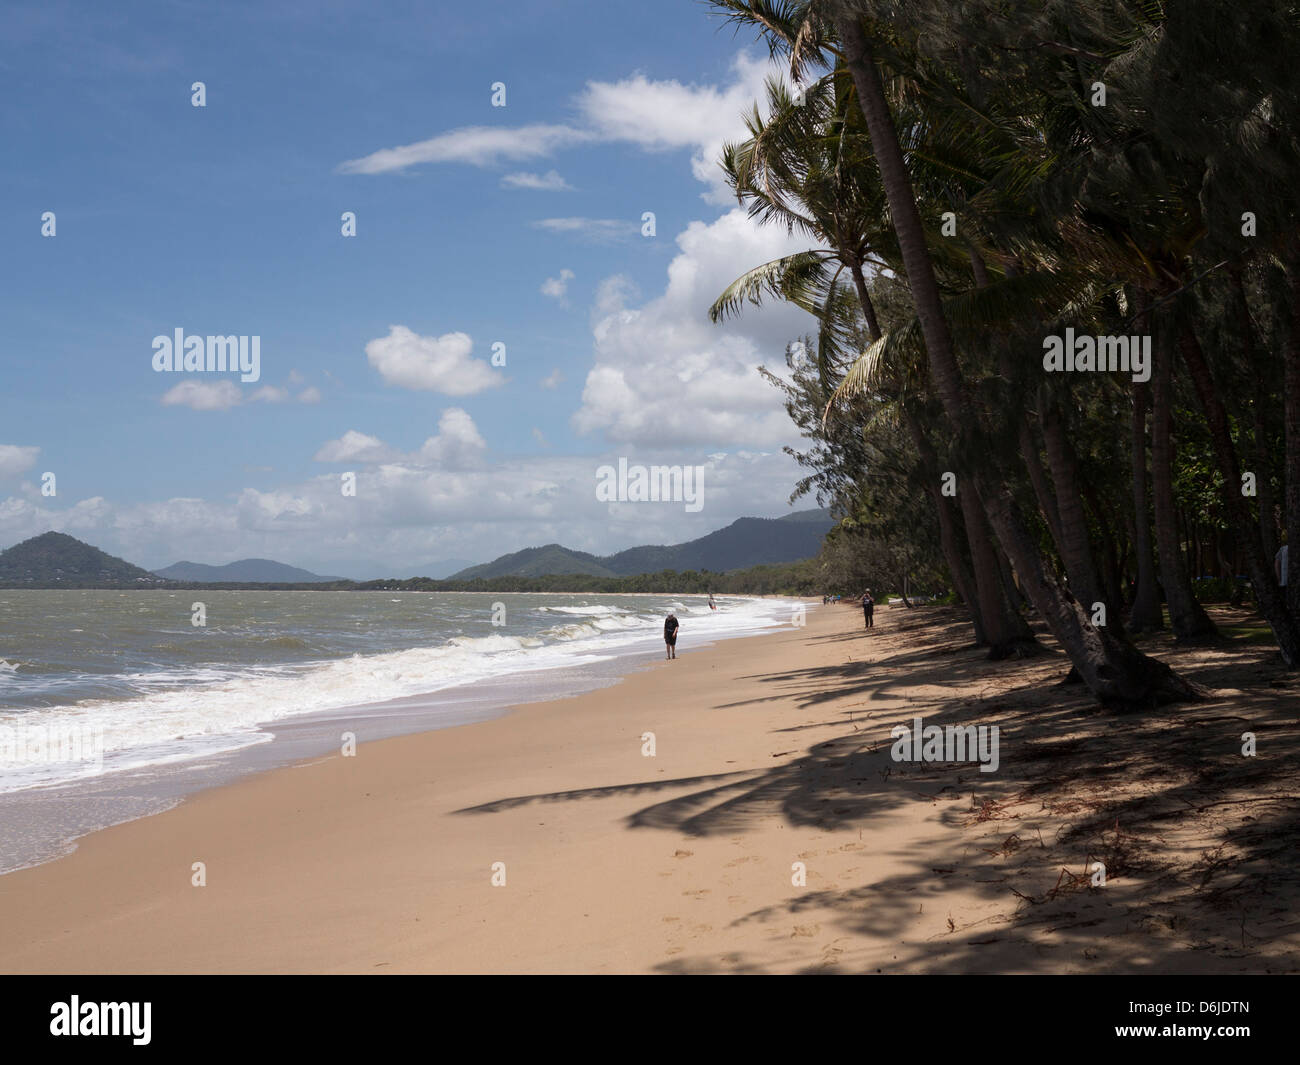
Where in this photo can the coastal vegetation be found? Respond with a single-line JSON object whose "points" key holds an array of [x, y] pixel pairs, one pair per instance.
{"points": [[983, 184]]}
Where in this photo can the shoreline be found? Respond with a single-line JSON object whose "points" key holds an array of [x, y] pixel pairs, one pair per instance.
{"points": [[30, 835], [772, 761]]}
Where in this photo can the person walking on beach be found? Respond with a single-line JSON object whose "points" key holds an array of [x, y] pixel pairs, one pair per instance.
{"points": [[670, 635], [868, 610], [712, 604]]}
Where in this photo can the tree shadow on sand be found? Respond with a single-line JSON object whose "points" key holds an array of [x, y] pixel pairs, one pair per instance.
{"points": [[1197, 840]]}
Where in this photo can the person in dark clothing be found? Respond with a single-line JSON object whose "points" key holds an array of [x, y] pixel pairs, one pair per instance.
{"points": [[670, 635], [868, 610]]}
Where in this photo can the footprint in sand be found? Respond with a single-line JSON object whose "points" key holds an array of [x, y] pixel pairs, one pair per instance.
{"points": [[741, 861], [683, 854], [673, 950], [699, 893], [805, 930], [672, 919]]}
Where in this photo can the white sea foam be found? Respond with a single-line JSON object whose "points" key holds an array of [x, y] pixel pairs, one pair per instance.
{"points": [[586, 611], [195, 712]]}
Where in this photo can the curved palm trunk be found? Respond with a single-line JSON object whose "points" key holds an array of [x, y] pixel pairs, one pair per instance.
{"points": [[1016, 637], [1015, 597], [1038, 479], [962, 580], [1074, 544], [1028, 443], [864, 297], [1008, 634], [1114, 670]]}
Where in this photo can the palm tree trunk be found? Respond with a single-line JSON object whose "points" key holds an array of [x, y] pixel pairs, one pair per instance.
{"points": [[1272, 603], [864, 297], [1028, 445], [1291, 420], [1015, 597], [1011, 634], [1145, 615], [1007, 634], [962, 579], [1076, 550], [1263, 460], [1114, 670], [1187, 617]]}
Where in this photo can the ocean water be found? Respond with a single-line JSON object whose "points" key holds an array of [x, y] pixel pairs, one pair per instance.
{"points": [[152, 699]]}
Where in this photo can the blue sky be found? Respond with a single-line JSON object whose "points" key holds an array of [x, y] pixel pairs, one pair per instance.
{"points": [[475, 225]]}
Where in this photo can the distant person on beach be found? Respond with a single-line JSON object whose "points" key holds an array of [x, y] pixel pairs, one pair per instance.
{"points": [[868, 610], [1280, 563], [712, 604], [670, 635]]}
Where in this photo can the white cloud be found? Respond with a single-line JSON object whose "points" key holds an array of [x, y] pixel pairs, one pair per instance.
{"points": [[353, 446], [203, 395], [655, 115], [551, 181], [596, 230], [16, 460], [457, 445], [407, 515], [552, 379], [558, 287], [666, 115], [474, 145], [224, 394], [665, 374], [540, 437], [611, 295], [431, 364]]}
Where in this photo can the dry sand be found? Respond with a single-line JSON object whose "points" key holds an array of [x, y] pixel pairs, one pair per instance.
{"points": [[770, 751]]}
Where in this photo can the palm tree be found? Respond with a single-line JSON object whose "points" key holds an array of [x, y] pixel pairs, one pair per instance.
{"points": [[1111, 667], [804, 167]]}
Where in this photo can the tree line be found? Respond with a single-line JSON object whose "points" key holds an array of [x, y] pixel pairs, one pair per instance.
{"points": [[981, 183]]}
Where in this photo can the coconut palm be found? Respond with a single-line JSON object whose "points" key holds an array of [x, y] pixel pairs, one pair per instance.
{"points": [[1112, 668]]}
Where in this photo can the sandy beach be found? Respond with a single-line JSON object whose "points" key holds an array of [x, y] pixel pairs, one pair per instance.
{"points": [[772, 755]]}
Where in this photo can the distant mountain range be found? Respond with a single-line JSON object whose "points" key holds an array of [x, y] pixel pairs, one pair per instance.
{"points": [[56, 560], [53, 559], [745, 542], [246, 570]]}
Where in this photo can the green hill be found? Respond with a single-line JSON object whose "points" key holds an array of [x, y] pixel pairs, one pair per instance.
{"points": [[745, 543], [537, 562], [246, 570], [55, 559]]}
